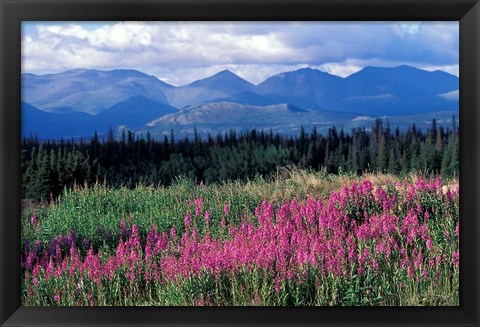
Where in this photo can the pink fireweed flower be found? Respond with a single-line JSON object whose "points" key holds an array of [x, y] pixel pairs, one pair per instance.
{"points": [[375, 265], [425, 273], [121, 254], [423, 230], [419, 209], [198, 206], [421, 184], [74, 259], [366, 186], [199, 301], [299, 235], [226, 209], [411, 272], [57, 297], [33, 220], [418, 259], [58, 253], [90, 298], [455, 258], [410, 226], [449, 194], [278, 284], [187, 221], [411, 193], [435, 184], [93, 266], [427, 215], [49, 269], [429, 243], [30, 260], [363, 260], [173, 233], [35, 272], [134, 240], [351, 247]]}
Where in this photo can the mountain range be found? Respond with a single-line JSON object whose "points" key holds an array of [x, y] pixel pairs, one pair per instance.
{"points": [[78, 102]]}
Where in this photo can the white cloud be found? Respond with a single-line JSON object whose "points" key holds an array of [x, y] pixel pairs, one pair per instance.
{"points": [[183, 51], [342, 69], [408, 28], [46, 31], [451, 69], [126, 35]]}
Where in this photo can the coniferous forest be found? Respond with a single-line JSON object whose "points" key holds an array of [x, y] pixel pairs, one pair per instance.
{"points": [[50, 166]]}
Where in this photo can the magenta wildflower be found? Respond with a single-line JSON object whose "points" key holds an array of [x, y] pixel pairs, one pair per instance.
{"points": [[198, 206], [187, 221], [356, 230], [173, 233], [455, 258]]}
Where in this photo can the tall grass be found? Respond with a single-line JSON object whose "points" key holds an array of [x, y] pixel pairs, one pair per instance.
{"points": [[302, 238], [85, 209]]}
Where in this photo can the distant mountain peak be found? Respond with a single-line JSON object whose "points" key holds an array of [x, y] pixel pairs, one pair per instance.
{"points": [[308, 70], [225, 72], [401, 69], [394, 68], [222, 76], [116, 73], [305, 72], [407, 68], [224, 79], [90, 90]]}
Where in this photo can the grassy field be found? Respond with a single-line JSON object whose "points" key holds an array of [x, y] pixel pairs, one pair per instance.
{"points": [[303, 238]]}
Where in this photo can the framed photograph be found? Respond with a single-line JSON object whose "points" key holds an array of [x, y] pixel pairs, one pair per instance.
{"points": [[240, 163]]}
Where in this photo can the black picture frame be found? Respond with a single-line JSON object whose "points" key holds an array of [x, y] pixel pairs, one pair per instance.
{"points": [[13, 12]]}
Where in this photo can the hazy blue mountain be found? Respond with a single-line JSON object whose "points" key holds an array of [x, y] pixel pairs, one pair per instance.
{"points": [[219, 85], [134, 112], [90, 91], [251, 98], [404, 82], [220, 117], [399, 91], [378, 90], [393, 105], [222, 112], [224, 101], [306, 87], [372, 90], [46, 125]]}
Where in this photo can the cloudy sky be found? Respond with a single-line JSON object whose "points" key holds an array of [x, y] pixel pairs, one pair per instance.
{"points": [[181, 52]]}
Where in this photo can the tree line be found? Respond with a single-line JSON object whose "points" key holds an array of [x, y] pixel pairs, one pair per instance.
{"points": [[48, 167]]}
